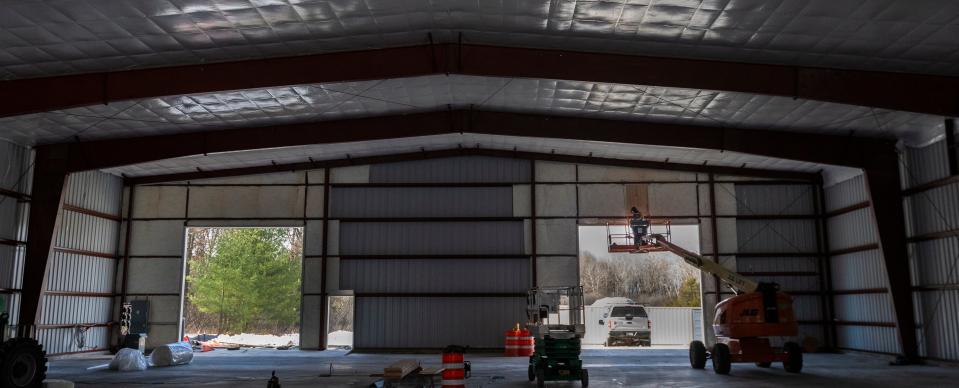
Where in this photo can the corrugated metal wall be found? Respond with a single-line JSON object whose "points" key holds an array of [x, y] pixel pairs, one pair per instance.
{"points": [[78, 298], [15, 177], [675, 325], [407, 294], [472, 169], [863, 307], [933, 217], [781, 244]]}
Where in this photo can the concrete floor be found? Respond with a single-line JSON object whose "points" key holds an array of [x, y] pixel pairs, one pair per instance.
{"points": [[608, 368]]}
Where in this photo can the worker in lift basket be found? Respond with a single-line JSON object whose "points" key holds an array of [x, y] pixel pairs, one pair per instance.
{"points": [[640, 226]]}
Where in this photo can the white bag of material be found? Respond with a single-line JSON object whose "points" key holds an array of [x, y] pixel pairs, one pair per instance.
{"points": [[128, 360], [177, 353]]}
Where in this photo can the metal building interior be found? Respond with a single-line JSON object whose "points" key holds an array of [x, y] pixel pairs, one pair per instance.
{"points": [[812, 142]]}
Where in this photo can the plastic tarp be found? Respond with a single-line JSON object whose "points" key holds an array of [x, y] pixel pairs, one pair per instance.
{"points": [[177, 353], [129, 360]]}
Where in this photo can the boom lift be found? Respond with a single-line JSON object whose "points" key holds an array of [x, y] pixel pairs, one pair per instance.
{"points": [[744, 323]]}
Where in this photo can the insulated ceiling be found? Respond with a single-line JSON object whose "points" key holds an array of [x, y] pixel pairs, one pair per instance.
{"points": [[44, 38], [306, 103]]}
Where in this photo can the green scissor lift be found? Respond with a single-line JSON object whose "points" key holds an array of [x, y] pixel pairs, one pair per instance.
{"points": [[556, 317]]}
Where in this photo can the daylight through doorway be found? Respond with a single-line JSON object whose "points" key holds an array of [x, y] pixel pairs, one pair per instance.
{"points": [[242, 286]]}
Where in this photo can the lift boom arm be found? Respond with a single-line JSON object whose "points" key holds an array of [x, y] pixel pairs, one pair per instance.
{"points": [[734, 279]]}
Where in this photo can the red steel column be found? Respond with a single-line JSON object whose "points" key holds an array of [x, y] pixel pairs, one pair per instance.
{"points": [[887, 203], [49, 178]]}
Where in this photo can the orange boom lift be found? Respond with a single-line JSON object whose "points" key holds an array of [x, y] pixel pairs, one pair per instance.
{"points": [[743, 323]]}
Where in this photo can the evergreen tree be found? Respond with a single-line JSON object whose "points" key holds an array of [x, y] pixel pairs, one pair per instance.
{"points": [[250, 281]]}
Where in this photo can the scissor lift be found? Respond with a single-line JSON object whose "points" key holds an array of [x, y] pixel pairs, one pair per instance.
{"points": [[625, 242]]}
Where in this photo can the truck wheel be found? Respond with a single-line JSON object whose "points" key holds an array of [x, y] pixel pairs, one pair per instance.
{"points": [[721, 359], [584, 377], [793, 362], [23, 363], [697, 355], [540, 378], [531, 373]]}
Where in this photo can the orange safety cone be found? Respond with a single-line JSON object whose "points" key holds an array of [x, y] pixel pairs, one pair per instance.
{"points": [[519, 342], [454, 369]]}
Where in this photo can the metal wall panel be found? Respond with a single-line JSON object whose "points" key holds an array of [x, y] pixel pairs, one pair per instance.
{"points": [[14, 176], [846, 193], [775, 200], [864, 308], [934, 210], [934, 262], [858, 271], [853, 229], [808, 308], [868, 338], [779, 236], [87, 233], [777, 264], [95, 191], [79, 273], [405, 322], [435, 275], [674, 325], [431, 238], [772, 236], [392, 202], [64, 340], [926, 164], [69, 310], [452, 170], [14, 160], [8, 264], [940, 328]]}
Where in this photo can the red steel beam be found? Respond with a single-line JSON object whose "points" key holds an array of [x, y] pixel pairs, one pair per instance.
{"points": [[273, 168], [916, 93], [814, 148]]}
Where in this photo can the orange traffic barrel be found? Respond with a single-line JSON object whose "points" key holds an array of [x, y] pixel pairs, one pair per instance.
{"points": [[519, 343], [454, 369]]}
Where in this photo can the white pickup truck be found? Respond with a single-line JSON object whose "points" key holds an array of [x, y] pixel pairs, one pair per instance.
{"points": [[628, 325]]}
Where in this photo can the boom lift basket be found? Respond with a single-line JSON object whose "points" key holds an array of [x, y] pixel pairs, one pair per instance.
{"points": [[625, 242]]}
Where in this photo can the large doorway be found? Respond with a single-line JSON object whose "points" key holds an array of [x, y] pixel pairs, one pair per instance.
{"points": [[242, 286], [655, 290]]}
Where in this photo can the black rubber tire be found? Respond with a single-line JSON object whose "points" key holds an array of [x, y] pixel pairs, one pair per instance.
{"points": [[531, 373], [540, 378], [23, 364], [584, 377], [697, 355], [722, 362], [793, 362], [764, 364]]}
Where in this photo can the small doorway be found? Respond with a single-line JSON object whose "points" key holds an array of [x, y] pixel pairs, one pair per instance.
{"points": [[340, 327], [242, 286]]}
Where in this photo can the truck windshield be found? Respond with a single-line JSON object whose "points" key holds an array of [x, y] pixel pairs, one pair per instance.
{"points": [[622, 311]]}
